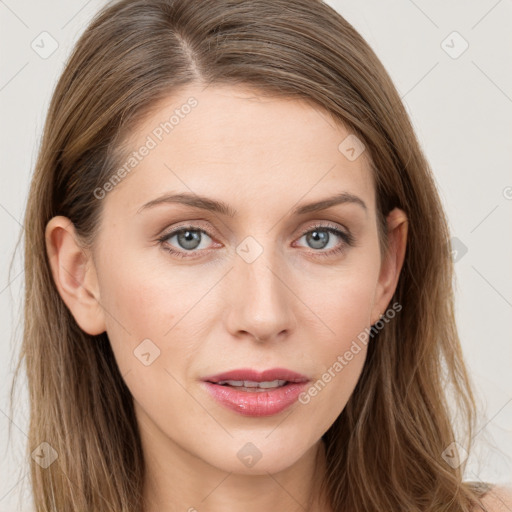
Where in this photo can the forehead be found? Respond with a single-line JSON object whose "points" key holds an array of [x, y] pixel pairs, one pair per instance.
{"points": [[233, 141]]}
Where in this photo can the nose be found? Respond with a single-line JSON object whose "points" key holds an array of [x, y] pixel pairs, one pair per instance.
{"points": [[261, 301]]}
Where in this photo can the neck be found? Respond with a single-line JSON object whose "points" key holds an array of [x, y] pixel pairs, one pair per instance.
{"points": [[178, 480]]}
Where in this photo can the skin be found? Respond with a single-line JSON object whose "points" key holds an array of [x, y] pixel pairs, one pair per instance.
{"points": [[214, 311]]}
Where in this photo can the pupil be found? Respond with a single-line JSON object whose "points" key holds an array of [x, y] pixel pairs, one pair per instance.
{"points": [[319, 239], [190, 239]]}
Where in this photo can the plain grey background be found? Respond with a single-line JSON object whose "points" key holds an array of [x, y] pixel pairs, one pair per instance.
{"points": [[451, 63]]}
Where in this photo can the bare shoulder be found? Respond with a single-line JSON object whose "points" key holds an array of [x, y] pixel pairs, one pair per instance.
{"points": [[498, 499]]}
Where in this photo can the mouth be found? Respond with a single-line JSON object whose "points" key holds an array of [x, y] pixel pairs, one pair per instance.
{"points": [[253, 393], [252, 386], [272, 376]]}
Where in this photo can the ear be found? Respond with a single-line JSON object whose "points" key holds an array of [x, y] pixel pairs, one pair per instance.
{"points": [[74, 274], [392, 262]]}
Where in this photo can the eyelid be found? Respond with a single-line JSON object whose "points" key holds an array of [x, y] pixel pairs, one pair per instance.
{"points": [[177, 229], [194, 225], [323, 225], [341, 232]]}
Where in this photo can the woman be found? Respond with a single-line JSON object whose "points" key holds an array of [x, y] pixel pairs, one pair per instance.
{"points": [[238, 275]]}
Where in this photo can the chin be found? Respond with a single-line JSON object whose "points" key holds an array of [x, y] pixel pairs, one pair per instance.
{"points": [[257, 454]]}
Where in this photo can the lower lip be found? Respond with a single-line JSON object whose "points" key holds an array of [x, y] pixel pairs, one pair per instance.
{"points": [[256, 403]]}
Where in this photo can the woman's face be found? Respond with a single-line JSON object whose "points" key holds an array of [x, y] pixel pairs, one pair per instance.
{"points": [[263, 283]]}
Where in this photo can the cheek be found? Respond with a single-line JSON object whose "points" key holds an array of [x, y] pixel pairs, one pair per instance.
{"points": [[154, 319], [144, 297], [139, 305], [150, 328], [344, 303], [340, 359], [344, 310]]}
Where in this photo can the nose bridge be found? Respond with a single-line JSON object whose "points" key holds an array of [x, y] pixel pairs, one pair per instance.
{"points": [[261, 301]]}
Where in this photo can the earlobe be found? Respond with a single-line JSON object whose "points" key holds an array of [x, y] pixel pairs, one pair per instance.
{"points": [[391, 266], [74, 275]]}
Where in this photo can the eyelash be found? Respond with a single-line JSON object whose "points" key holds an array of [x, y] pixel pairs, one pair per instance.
{"points": [[347, 237]]}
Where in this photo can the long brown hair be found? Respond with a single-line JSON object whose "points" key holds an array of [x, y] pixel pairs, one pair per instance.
{"points": [[384, 451]]}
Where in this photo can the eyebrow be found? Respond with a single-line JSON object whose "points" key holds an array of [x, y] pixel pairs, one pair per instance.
{"points": [[205, 203]]}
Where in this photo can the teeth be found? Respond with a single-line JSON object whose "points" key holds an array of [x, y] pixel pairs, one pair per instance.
{"points": [[231, 382], [273, 384], [253, 384]]}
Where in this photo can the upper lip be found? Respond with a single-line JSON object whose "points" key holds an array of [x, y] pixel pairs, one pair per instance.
{"points": [[257, 376]]}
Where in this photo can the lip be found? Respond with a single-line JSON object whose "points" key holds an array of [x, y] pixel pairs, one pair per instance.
{"points": [[256, 376], [256, 403]]}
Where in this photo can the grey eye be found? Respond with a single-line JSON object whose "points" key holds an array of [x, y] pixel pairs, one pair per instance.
{"points": [[188, 239], [318, 238]]}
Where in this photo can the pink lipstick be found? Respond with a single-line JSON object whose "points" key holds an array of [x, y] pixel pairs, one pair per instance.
{"points": [[253, 393]]}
